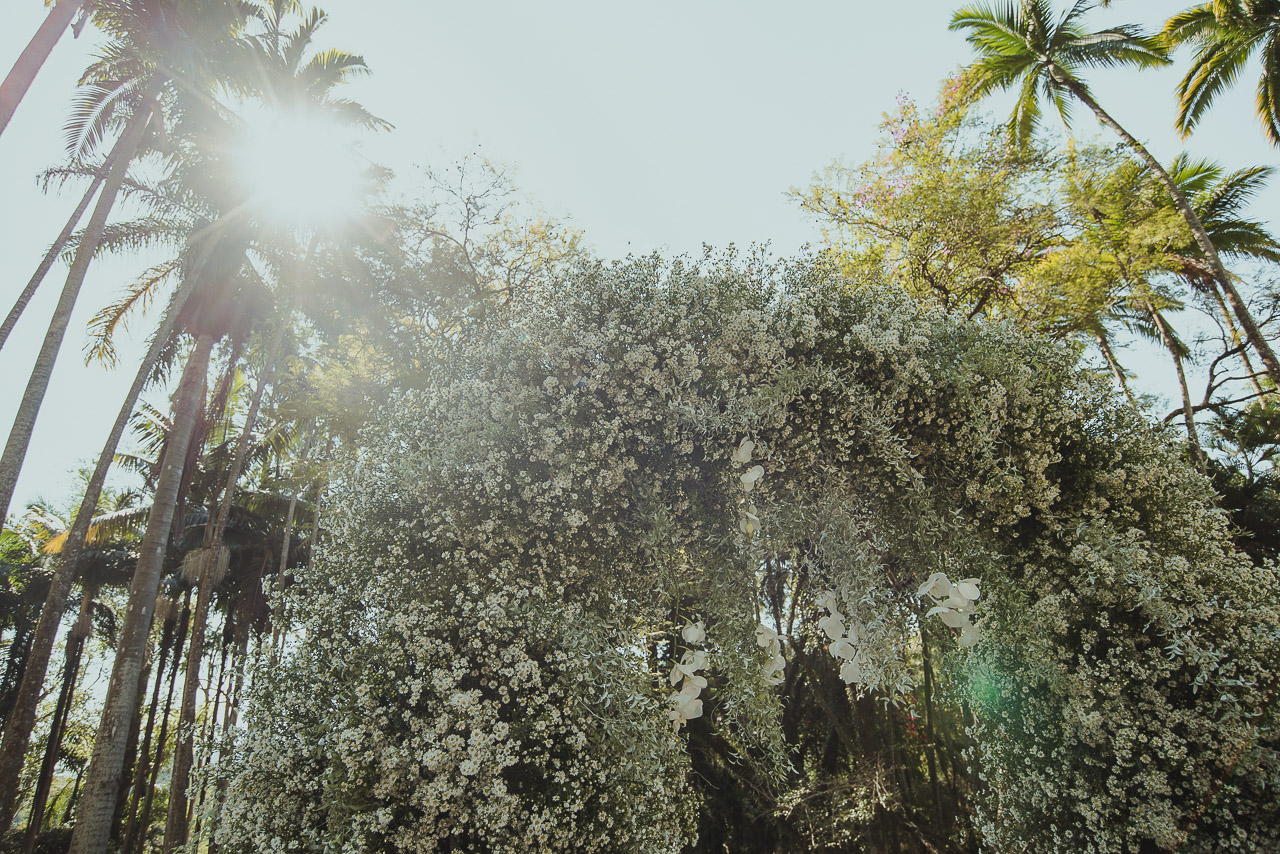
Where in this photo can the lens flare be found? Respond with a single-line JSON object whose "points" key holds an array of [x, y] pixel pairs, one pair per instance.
{"points": [[302, 170]]}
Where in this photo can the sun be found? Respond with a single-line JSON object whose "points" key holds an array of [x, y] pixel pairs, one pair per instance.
{"points": [[302, 169]]}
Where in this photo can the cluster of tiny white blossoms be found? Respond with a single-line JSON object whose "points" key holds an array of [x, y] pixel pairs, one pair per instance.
{"points": [[767, 639], [845, 644], [954, 604], [577, 442], [686, 703], [471, 725], [748, 516]]}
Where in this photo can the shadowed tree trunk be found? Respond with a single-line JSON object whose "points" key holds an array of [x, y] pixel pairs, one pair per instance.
{"points": [[103, 777], [144, 821], [58, 726], [17, 732], [32, 58], [176, 826], [144, 753]]}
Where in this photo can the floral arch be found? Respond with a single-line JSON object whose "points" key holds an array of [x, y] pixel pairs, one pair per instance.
{"points": [[605, 491]]}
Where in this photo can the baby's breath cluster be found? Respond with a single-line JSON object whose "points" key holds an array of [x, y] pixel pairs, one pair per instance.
{"points": [[470, 725], [585, 449]]}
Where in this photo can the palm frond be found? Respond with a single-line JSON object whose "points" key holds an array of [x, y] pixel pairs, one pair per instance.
{"points": [[107, 528], [138, 295]]}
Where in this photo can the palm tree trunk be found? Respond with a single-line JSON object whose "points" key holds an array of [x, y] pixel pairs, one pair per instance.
{"points": [[144, 753], [1229, 292], [103, 778], [46, 263], [71, 669], [284, 548], [15, 450], [144, 822], [176, 826], [22, 718], [1188, 410], [130, 754], [1235, 339], [1105, 346], [30, 61]]}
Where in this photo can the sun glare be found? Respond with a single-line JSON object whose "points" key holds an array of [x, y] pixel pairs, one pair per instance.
{"points": [[302, 170]]}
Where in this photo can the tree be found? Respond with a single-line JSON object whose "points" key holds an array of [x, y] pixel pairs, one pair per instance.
{"points": [[952, 212], [1225, 35], [31, 59], [1023, 47]]}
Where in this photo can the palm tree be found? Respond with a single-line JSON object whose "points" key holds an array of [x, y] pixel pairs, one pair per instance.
{"points": [[31, 59], [279, 62], [1219, 199], [156, 44], [1225, 35], [1021, 46]]}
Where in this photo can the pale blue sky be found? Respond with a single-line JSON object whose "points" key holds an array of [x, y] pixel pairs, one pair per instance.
{"points": [[662, 126]]}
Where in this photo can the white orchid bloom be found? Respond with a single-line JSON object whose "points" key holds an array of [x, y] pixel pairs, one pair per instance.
{"points": [[750, 522], [843, 649], [691, 688], [850, 672], [938, 586], [694, 658], [750, 476], [952, 617], [969, 589], [742, 455], [694, 632], [970, 634], [832, 627], [765, 636], [688, 709]]}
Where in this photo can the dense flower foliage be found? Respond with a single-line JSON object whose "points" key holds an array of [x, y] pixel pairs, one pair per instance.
{"points": [[627, 447]]}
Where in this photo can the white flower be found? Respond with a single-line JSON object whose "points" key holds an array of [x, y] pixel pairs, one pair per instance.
{"points": [[970, 634], [830, 602], [843, 649], [685, 710], [850, 672], [694, 632], [969, 589], [688, 665], [750, 476], [750, 522], [765, 636], [742, 455], [952, 617], [937, 586], [832, 626]]}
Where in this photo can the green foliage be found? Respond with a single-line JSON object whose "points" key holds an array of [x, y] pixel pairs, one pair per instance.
{"points": [[580, 445]]}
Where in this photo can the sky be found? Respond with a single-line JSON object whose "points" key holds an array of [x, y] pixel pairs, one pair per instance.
{"points": [[651, 127]]}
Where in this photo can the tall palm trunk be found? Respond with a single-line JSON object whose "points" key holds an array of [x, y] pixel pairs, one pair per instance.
{"points": [[1220, 274], [24, 71], [15, 450], [176, 826], [144, 752], [22, 718], [1107, 353], [1188, 410], [58, 726], [134, 845], [46, 263], [284, 548], [103, 777], [1234, 332]]}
